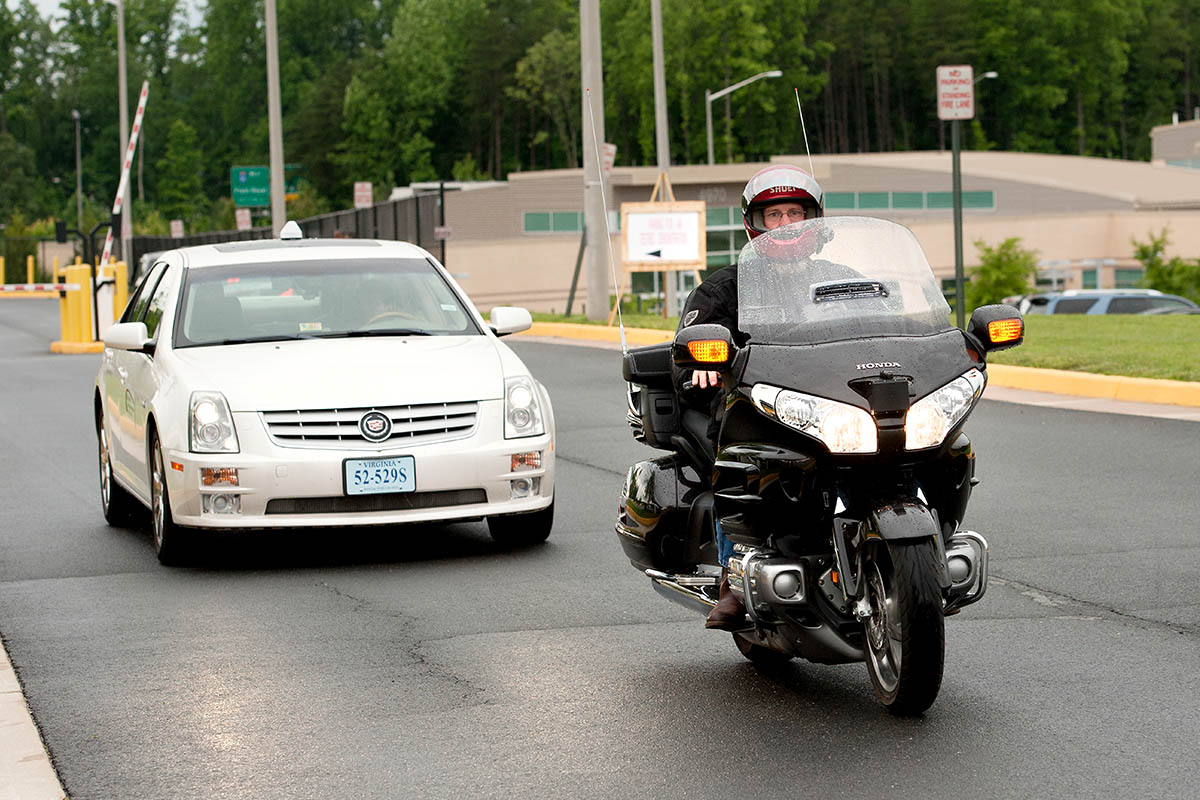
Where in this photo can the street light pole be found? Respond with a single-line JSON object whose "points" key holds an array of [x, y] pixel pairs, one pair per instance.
{"points": [[123, 110], [710, 96], [274, 122], [78, 174]]}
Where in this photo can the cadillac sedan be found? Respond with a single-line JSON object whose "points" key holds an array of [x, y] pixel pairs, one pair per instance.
{"points": [[301, 383]]}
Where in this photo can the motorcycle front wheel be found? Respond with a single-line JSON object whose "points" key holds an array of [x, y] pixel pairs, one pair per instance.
{"points": [[905, 634]]}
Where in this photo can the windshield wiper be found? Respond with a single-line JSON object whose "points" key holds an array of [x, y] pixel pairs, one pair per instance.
{"points": [[363, 334]]}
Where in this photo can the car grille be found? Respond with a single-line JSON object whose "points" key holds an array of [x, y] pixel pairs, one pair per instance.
{"points": [[337, 428], [375, 502]]}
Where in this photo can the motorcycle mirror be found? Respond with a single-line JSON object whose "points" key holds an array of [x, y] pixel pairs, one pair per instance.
{"points": [[997, 327], [703, 347]]}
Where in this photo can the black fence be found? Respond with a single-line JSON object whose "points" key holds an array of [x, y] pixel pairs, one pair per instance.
{"points": [[411, 219]]}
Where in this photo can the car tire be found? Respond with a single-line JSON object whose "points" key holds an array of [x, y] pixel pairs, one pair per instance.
{"points": [[172, 544], [522, 530], [119, 506]]}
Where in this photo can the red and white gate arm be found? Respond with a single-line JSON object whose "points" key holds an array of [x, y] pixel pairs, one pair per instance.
{"points": [[133, 138], [18, 288]]}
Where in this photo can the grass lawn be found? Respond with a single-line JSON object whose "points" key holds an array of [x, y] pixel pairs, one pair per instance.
{"points": [[1117, 344], [1120, 344]]}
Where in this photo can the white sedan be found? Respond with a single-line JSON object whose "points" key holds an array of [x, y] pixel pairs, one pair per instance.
{"points": [[298, 383]]}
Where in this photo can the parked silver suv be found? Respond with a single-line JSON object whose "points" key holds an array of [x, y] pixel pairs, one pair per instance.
{"points": [[1102, 301]]}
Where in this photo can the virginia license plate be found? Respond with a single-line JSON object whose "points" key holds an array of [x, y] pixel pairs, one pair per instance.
{"points": [[380, 475]]}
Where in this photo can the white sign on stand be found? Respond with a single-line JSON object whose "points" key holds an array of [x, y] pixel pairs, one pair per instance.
{"points": [[176, 229], [362, 194], [956, 92], [663, 236], [242, 217]]}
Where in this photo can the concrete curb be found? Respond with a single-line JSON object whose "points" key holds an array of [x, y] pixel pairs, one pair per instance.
{"points": [[74, 348], [1054, 381], [25, 769]]}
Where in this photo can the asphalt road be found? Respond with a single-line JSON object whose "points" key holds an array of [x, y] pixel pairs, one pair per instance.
{"points": [[427, 662]]}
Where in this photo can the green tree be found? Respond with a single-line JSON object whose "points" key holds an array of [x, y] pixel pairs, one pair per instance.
{"points": [[1171, 275], [1005, 270], [179, 182], [548, 78]]}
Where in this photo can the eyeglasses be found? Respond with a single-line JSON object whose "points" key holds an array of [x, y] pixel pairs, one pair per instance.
{"points": [[776, 215]]}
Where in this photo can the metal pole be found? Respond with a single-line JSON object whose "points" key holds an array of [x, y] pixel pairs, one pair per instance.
{"points": [[442, 215], [575, 275], [274, 122], [661, 137], [592, 90], [123, 109], [708, 123], [78, 173], [956, 170]]}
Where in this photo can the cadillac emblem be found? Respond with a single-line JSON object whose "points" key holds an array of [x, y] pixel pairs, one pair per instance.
{"points": [[375, 426]]}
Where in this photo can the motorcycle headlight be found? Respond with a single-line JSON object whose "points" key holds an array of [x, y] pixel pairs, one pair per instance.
{"points": [[210, 425], [522, 413], [933, 416], [843, 428]]}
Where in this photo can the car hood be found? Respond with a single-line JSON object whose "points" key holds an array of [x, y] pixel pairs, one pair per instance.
{"points": [[347, 373]]}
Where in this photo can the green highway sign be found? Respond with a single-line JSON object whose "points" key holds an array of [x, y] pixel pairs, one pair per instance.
{"points": [[250, 186]]}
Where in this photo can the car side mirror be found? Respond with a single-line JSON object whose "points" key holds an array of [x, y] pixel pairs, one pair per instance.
{"points": [[504, 320], [705, 347], [127, 336], [997, 327]]}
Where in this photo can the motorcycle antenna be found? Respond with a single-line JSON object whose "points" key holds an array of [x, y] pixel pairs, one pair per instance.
{"points": [[811, 171], [612, 269]]}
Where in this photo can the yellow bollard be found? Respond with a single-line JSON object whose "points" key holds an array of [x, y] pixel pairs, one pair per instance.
{"points": [[29, 269], [121, 289], [56, 280], [82, 310]]}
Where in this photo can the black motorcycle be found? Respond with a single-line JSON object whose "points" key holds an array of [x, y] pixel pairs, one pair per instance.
{"points": [[841, 471]]}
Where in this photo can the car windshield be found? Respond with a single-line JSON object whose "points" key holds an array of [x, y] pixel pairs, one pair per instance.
{"points": [[318, 299], [837, 278]]}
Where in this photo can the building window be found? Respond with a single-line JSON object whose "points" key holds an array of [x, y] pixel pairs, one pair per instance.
{"points": [[1127, 278], [1089, 279], [553, 221]]}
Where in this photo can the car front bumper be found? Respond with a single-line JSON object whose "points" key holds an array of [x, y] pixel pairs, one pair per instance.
{"points": [[299, 487]]}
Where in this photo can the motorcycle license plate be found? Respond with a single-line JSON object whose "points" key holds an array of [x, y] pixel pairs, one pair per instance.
{"points": [[379, 475]]}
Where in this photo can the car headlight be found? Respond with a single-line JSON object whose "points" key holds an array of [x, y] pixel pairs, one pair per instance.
{"points": [[843, 428], [934, 415], [522, 412], [210, 425]]}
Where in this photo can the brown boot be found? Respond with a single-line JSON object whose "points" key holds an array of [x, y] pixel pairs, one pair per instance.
{"points": [[729, 614]]}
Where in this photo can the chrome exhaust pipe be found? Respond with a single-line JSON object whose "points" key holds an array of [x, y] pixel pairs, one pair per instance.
{"points": [[686, 590]]}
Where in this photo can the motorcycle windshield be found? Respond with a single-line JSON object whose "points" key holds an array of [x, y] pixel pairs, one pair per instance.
{"points": [[835, 279]]}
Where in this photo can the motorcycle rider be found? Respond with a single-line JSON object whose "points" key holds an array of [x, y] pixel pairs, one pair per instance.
{"points": [[777, 195]]}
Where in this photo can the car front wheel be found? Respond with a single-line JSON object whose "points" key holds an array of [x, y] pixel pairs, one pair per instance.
{"points": [[521, 530], [171, 543]]}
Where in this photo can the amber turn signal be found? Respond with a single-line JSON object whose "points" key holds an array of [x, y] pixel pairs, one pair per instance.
{"points": [[1005, 330], [709, 351]]}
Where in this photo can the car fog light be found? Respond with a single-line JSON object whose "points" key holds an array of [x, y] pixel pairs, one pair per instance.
{"points": [[524, 487], [218, 476], [221, 503], [786, 584], [526, 460]]}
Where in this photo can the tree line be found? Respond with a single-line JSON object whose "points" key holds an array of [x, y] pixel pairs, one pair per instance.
{"points": [[396, 91]]}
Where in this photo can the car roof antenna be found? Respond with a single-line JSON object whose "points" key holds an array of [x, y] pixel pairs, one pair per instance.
{"points": [[611, 266], [291, 230]]}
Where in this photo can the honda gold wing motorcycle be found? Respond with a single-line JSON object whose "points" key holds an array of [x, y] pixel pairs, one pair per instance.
{"points": [[841, 471]]}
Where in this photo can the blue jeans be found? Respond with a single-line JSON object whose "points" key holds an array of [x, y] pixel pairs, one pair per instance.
{"points": [[724, 546]]}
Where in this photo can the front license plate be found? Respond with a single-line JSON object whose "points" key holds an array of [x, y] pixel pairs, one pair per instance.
{"points": [[380, 475]]}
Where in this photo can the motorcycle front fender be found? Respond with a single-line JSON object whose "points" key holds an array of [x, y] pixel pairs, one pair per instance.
{"points": [[903, 520]]}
